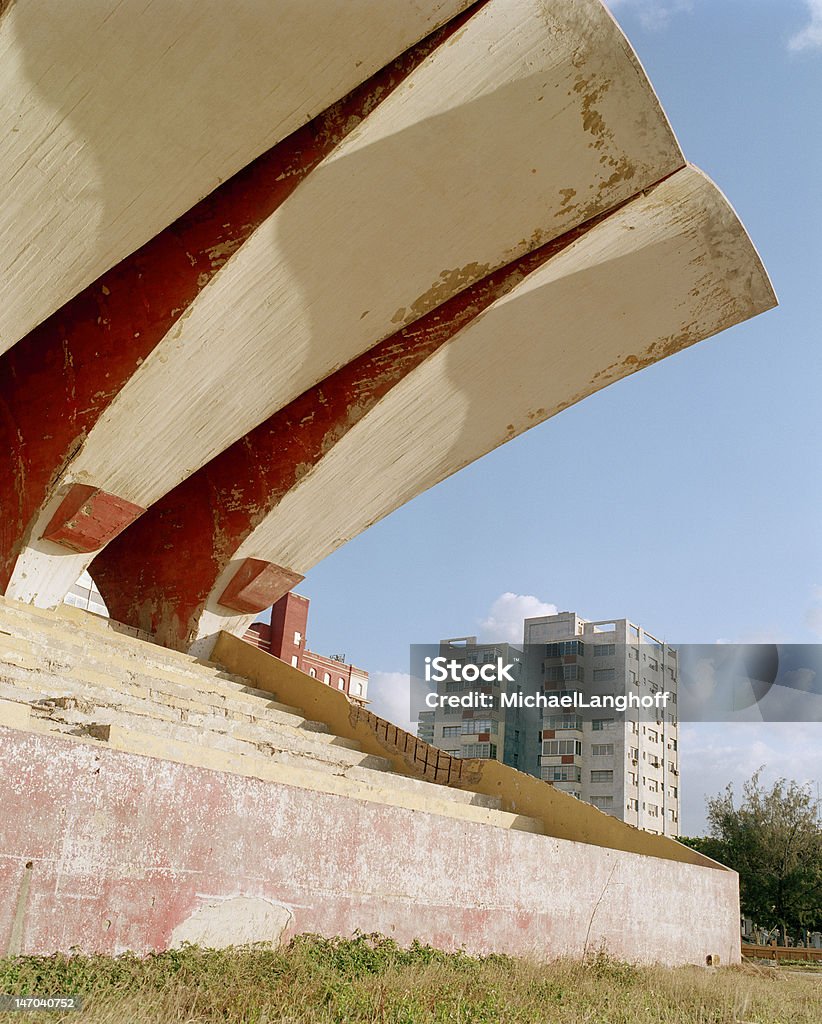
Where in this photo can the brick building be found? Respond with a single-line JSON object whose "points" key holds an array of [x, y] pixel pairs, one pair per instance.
{"points": [[285, 638]]}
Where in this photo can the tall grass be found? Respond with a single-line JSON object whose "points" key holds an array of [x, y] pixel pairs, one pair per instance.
{"points": [[371, 979]]}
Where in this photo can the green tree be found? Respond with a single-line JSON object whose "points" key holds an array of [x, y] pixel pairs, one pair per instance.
{"points": [[774, 840]]}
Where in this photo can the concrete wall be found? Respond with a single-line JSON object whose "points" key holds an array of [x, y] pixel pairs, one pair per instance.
{"points": [[109, 851]]}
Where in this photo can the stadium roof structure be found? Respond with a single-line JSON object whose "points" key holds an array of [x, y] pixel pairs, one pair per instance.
{"points": [[258, 256]]}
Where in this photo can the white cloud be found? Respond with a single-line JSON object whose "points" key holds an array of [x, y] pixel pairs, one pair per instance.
{"points": [[653, 14], [390, 696], [504, 621], [810, 37]]}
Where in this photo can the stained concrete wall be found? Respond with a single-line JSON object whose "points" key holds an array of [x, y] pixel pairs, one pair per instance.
{"points": [[110, 851]]}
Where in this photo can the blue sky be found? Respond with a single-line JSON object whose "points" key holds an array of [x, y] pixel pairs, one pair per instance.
{"points": [[686, 497]]}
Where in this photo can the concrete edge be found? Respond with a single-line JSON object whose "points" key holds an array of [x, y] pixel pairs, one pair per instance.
{"points": [[560, 815]]}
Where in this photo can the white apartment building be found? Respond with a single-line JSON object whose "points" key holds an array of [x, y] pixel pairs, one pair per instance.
{"points": [[625, 763]]}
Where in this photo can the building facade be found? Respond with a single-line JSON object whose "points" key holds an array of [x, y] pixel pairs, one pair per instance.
{"points": [[285, 638], [627, 764], [84, 594], [471, 732], [624, 763]]}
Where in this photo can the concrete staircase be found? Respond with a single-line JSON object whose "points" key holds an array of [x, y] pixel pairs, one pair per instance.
{"points": [[70, 673]]}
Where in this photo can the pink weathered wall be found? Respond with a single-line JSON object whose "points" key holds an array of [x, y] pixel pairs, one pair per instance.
{"points": [[110, 851]]}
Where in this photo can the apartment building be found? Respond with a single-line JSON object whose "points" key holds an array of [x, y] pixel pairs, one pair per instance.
{"points": [[84, 594], [476, 732], [625, 763]]}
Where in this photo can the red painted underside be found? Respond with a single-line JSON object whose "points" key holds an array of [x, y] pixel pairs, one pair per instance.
{"points": [[141, 575], [56, 382]]}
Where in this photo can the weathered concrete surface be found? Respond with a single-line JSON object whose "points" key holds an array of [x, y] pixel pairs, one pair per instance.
{"points": [[117, 116], [75, 362], [556, 813], [128, 852], [661, 273], [181, 802], [527, 122], [69, 672]]}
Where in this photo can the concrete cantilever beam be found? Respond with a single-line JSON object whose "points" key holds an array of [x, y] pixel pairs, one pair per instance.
{"points": [[666, 270], [529, 121], [117, 116], [76, 361]]}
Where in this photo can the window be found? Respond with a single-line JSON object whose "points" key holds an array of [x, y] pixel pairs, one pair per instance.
{"points": [[561, 773], [653, 810], [313, 673], [479, 750], [604, 675], [600, 724], [298, 637], [602, 750], [633, 805], [341, 683], [632, 678], [632, 778], [563, 649], [488, 657], [476, 725], [602, 776], [454, 753], [604, 803], [633, 753], [562, 673], [562, 722], [355, 688], [552, 748], [673, 792], [653, 786], [295, 661], [604, 650], [326, 677], [653, 736], [451, 730]]}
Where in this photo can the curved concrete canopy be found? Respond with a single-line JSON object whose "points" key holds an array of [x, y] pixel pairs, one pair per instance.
{"points": [[503, 204], [528, 122], [666, 270], [76, 361], [117, 116]]}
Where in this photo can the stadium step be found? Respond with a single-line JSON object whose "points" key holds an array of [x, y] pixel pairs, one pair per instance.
{"points": [[81, 677]]}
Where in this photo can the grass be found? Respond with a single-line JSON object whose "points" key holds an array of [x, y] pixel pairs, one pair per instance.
{"points": [[371, 979]]}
